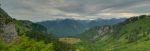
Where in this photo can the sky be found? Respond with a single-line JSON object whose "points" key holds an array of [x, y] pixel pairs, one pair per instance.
{"points": [[41, 10]]}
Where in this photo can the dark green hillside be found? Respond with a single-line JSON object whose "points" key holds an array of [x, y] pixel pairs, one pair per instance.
{"points": [[22, 35], [131, 35], [3, 14]]}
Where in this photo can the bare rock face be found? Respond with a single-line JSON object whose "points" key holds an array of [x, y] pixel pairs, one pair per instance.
{"points": [[9, 32], [103, 30], [7, 27]]}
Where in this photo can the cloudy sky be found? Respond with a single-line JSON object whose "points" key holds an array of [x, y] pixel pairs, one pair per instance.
{"points": [[40, 10]]}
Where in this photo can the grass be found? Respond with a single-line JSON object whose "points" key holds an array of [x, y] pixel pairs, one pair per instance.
{"points": [[133, 36], [70, 40]]}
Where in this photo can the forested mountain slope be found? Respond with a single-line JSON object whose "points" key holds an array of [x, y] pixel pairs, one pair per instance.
{"points": [[131, 35], [23, 35]]}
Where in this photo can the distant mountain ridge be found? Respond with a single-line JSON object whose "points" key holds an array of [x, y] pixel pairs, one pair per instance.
{"points": [[72, 27], [131, 35]]}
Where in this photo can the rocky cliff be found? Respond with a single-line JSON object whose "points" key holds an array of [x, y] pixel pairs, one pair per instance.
{"points": [[97, 32], [7, 27], [9, 32]]}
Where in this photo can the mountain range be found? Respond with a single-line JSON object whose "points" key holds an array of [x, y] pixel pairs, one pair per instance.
{"points": [[131, 34], [72, 27]]}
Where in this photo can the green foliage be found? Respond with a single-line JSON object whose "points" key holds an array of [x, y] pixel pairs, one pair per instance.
{"points": [[131, 35], [24, 43], [39, 33], [35, 35], [4, 17], [32, 37], [8, 20], [2, 45], [87, 35], [1, 31], [3, 14]]}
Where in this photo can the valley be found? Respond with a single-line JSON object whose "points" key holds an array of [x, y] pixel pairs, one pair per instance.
{"points": [[131, 35], [72, 27], [124, 34], [70, 40]]}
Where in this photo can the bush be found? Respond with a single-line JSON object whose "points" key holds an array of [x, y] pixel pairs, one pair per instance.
{"points": [[2, 45], [8, 20], [24, 43]]}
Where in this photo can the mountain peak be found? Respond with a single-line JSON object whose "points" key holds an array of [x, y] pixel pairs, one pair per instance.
{"points": [[72, 27]]}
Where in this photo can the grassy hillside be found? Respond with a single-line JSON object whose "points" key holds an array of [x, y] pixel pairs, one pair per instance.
{"points": [[131, 35]]}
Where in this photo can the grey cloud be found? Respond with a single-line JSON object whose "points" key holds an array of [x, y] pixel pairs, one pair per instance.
{"points": [[127, 5], [84, 9]]}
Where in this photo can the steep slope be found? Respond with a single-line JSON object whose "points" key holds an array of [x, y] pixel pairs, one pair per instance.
{"points": [[131, 35], [23, 35], [7, 27], [9, 39], [96, 32]]}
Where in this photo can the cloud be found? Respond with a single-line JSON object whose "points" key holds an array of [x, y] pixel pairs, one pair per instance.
{"points": [[40, 10]]}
